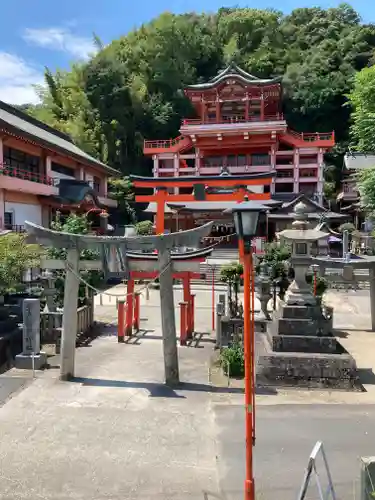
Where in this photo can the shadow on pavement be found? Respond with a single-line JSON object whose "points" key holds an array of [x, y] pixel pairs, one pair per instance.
{"points": [[159, 390], [366, 376]]}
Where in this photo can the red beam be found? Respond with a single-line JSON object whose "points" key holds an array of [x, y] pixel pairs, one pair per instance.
{"points": [[225, 182], [170, 198]]}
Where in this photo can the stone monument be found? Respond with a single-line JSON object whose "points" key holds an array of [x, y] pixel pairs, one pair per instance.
{"points": [[300, 347], [31, 356]]}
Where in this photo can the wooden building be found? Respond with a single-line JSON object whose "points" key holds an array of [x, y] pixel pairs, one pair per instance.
{"points": [[239, 130], [42, 170]]}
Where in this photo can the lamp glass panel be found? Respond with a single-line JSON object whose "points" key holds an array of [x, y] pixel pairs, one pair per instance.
{"points": [[236, 217], [249, 223]]}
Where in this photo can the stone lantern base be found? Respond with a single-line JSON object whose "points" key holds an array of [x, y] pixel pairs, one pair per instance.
{"points": [[300, 350]]}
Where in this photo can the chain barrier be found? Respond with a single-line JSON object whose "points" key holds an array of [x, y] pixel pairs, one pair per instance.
{"points": [[98, 292], [144, 288]]}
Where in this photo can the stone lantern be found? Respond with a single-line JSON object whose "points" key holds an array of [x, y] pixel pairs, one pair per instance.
{"points": [[300, 347], [301, 240]]}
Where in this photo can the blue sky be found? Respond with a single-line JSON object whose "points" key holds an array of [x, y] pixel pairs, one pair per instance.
{"points": [[40, 33]]}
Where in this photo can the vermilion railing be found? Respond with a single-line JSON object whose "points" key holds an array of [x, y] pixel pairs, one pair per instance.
{"points": [[313, 137], [26, 175], [232, 119], [164, 144]]}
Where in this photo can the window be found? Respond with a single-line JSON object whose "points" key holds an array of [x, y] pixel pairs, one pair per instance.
{"points": [[241, 160], [62, 169], [260, 159], [8, 220], [19, 160], [232, 161], [96, 184]]}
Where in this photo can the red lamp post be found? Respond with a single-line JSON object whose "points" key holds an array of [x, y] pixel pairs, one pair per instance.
{"points": [[246, 216]]}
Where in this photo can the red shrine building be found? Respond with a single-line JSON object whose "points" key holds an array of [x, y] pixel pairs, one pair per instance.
{"points": [[239, 130]]}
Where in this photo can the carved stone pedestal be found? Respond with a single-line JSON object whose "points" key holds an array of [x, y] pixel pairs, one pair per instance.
{"points": [[301, 351]]}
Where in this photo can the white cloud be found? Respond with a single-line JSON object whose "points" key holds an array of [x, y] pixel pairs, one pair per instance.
{"points": [[17, 80], [61, 39]]}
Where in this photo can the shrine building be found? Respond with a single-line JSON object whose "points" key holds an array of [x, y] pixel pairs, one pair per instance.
{"points": [[238, 132]]}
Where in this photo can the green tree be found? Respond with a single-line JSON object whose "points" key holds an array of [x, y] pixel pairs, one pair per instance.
{"points": [[121, 189], [75, 224], [366, 188], [131, 89], [362, 99], [16, 257]]}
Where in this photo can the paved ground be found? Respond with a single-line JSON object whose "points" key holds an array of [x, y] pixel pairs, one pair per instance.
{"points": [[118, 432], [285, 437]]}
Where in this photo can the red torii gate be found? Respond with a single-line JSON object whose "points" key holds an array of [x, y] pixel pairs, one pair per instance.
{"points": [[205, 188], [185, 268]]}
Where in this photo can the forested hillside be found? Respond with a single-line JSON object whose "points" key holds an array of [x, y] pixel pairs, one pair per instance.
{"points": [[132, 88]]}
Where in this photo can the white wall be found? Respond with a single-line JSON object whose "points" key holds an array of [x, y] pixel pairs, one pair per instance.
{"points": [[359, 161], [23, 212], [256, 189]]}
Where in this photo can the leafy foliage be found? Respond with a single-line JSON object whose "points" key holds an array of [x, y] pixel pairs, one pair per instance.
{"points": [[366, 188], [232, 360], [362, 99], [75, 224], [144, 227], [276, 256], [120, 189], [231, 273], [16, 256], [347, 226], [131, 89]]}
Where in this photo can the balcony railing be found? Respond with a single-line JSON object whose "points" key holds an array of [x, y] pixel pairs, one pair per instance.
{"points": [[163, 144], [26, 175], [232, 119], [317, 136]]}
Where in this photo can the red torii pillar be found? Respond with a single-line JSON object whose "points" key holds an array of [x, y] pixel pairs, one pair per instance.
{"points": [[187, 299], [129, 307]]}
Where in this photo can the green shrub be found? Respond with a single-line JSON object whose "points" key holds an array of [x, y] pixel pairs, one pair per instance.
{"points": [[276, 257], [347, 226], [231, 273], [144, 227], [321, 284], [232, 360]]}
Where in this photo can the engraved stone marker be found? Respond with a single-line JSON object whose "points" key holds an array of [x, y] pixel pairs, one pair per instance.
{"points": [[31, 354]]}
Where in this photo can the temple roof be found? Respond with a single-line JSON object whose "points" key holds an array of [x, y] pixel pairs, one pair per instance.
{"points": [[201, 206], [233, 71], [200, 179], [74, 192], [12, 120]]}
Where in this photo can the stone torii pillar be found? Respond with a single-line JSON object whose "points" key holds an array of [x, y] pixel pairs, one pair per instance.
{"points": [[75, 243]]}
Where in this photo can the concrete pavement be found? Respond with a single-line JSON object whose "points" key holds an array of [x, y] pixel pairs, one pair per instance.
{"points": [[117, 432]]}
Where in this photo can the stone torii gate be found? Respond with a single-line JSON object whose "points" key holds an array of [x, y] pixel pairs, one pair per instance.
{"points": [[75, 243]]}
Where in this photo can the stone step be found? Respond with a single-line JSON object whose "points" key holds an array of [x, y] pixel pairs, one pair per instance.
{"points": [[300, 327], [298, 312]]}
